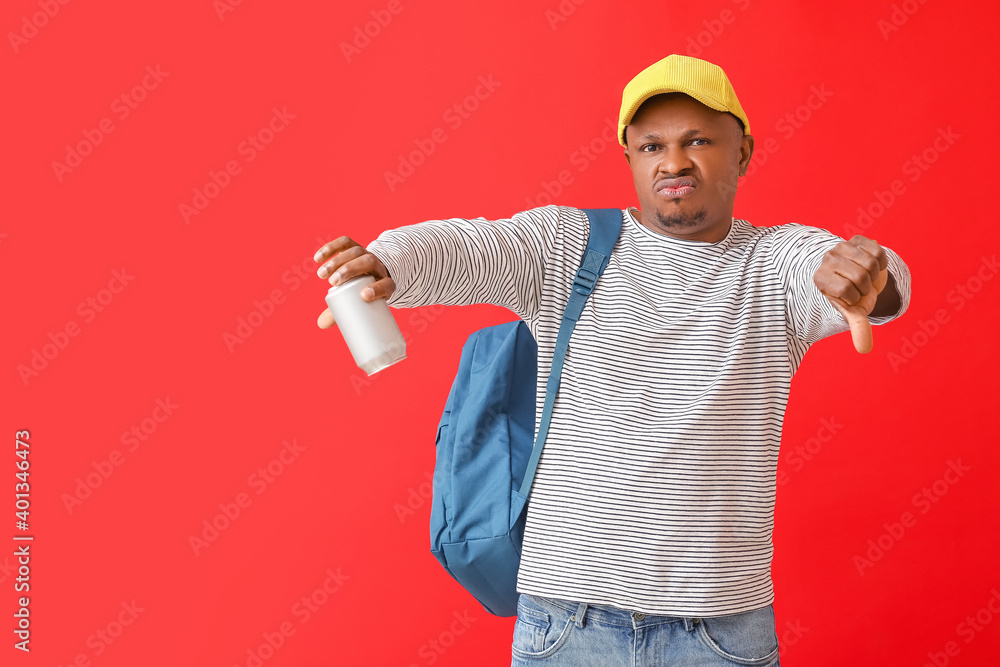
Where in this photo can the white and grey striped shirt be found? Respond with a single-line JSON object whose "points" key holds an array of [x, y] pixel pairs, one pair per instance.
{"points": [[655, 490]]}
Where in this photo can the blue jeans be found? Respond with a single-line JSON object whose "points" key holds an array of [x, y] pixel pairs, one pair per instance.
{"points": [[556, 633]]}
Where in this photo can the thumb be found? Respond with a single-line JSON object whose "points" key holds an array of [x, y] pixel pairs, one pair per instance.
{"points": [[857, 320], [325, 320], [856, 315]]}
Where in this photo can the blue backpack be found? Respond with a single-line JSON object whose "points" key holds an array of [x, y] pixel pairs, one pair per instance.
{"points": [[486, 449]]}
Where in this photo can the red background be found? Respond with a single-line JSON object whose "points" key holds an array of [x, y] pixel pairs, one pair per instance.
{"points": [[924, 398]]}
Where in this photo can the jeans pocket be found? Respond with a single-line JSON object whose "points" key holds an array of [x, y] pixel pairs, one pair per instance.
{"points": [[540, 629], [744, 639]]}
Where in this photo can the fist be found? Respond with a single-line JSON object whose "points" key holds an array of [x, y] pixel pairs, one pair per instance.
{"points": [[851, 276]]}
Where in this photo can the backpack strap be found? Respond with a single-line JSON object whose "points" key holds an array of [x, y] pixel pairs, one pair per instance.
{"points": [[605, 228]]}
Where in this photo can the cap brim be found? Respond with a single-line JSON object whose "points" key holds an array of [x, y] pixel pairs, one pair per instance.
{"points": [[653, 92]]}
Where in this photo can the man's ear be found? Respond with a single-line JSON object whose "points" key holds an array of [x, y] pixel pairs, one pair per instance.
{"points": [[746, 151]]}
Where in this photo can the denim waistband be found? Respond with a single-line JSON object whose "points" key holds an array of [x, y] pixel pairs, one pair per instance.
{"points": [[609, 615]]}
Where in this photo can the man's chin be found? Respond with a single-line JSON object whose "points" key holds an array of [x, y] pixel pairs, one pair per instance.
{"points": [[681, 219]]}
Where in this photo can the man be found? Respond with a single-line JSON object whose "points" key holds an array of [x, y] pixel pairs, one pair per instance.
{"points": [[648, 534]]}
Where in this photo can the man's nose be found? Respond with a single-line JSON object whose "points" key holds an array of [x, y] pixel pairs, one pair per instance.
{"points": [[674, 160]]}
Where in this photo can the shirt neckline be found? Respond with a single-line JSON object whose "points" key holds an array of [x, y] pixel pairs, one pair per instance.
{"points": [[722, 244]]}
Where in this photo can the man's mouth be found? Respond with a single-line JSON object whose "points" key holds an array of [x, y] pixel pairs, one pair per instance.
{"points": [[673, 188]]}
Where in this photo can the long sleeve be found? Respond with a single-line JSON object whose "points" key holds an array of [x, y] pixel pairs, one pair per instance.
{"points": [[467, 261], [797, 252]]}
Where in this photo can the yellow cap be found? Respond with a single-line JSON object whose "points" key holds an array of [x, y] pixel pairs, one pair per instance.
{"points": [[700, 79]]}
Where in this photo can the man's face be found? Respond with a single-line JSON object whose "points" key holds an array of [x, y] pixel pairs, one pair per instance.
{"points": [[686, 160]]}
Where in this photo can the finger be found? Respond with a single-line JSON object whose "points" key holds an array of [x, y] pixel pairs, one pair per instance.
{"points": [[845, 279], [861, 328], [338, 260], [870, 249], [330, 249], [359, 262], [325, 320], [881, 280], [380, 289]]}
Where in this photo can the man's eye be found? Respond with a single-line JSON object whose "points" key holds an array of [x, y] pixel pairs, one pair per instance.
{"points": [[704, 140], [648, 147]]}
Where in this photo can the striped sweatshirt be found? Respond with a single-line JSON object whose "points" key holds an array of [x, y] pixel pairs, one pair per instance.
{"points": [[655, 491]]}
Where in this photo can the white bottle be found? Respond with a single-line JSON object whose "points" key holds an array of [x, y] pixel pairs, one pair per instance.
{"points": [[368, 327]]}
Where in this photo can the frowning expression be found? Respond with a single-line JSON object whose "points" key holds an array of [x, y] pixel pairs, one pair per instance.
{"points": [[686, 160]]}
